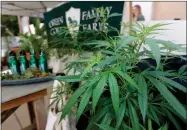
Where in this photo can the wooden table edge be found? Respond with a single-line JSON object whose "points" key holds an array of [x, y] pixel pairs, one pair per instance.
{"points": [[19, 101]]}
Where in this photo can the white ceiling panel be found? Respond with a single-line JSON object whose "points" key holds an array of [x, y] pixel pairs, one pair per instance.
{"points": [[30, 8]]}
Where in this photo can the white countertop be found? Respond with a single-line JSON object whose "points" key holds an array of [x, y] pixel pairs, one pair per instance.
{"points": [[13, 92]]}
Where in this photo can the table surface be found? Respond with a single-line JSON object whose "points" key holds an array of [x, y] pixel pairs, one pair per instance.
{"points": [[13, 92]]}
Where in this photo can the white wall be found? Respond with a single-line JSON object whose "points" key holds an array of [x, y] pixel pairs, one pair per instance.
{"points": [[169, 10], [175, 32]]}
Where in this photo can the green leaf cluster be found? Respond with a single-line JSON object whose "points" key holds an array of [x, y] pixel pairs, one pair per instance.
{"points": [[118, 93], [36, 41]]}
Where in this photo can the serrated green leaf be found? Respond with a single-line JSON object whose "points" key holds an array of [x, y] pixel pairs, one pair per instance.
{"points": [[84, 102], [126, 40], [158, 73], [73, 99], [154, 115], [169, 45], [115, 14], [86, 70], [182, 69], [125, 127], [133, 117], [157, 110], [173, 83], [165, 127], [142, 96], [99, 46], [155, 50], [70, 78], [97, 42], [170, 98], [173, 120], [142, 128], [97, 117], [107, 119], [108, 52], [170, 108], [114, 90], [157, 98], [98, 91], [126, 68], [105, 127], [127, 78], [106, 61], [121, 114], [139, 25], [156, 27]]}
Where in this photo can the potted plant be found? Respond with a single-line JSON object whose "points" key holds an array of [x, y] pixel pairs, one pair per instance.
{"points": [[37, 40], [121, 90]]}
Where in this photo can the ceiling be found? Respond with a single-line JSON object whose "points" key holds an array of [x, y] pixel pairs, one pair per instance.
{"points": [[30, 8]]}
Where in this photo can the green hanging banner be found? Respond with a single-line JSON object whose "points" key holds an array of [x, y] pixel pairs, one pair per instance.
{"points": [[82, 13]]}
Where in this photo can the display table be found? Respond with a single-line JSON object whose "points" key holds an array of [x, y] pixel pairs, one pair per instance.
{"points": [[33, 94]]}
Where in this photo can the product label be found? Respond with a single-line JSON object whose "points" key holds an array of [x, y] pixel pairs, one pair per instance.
{"points": [[42, 64], [32, 62], [22, 68], [42, 67], [13, 69], [12, 63], [22, 64]]}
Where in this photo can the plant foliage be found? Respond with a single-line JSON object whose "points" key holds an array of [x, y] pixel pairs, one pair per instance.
{"points": [[122, 94], [37, 40]]}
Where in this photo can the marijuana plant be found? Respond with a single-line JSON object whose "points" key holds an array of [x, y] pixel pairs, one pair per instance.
{"points": [[123, 94]]}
